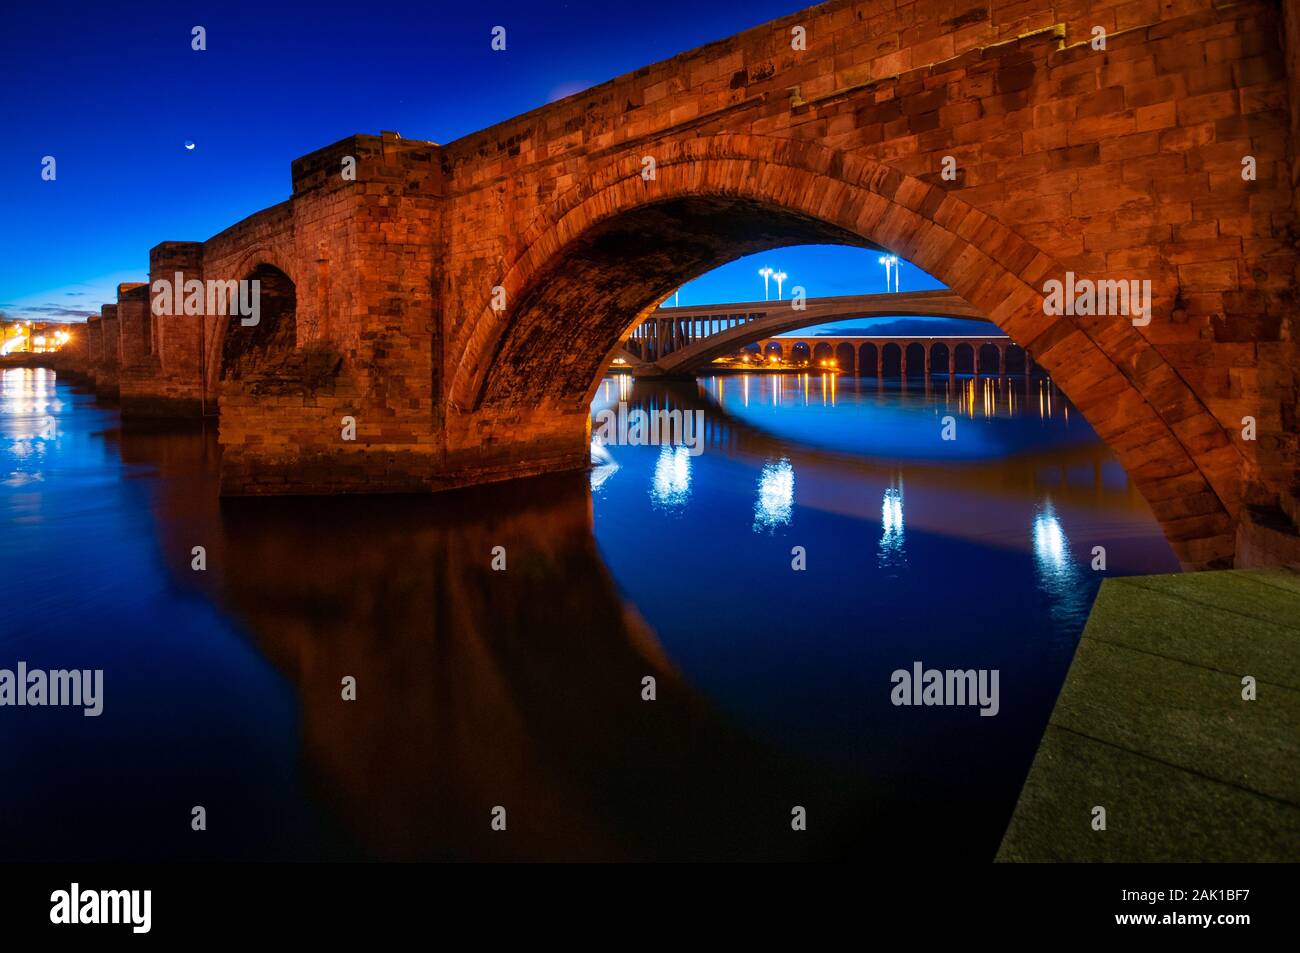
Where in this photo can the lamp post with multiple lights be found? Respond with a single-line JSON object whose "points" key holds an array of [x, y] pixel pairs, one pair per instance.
{"points": [[892, 266], [779, 277], [766, 273]]}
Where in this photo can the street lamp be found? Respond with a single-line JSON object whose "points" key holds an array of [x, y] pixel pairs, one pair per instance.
{"points": [[766, 273], [779, 277], [890, 262]]}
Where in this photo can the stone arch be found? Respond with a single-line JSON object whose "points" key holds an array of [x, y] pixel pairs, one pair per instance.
{"points": [[845, 358], [800, 352], [963, 358], [869, 360], [989, 359], [719, 197], [891, 360], [940, 358], [241, 349], [246, 259], [916, 355], [240, 263]]}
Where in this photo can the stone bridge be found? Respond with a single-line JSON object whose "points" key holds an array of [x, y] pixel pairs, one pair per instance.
{"points": [[460, 301]]}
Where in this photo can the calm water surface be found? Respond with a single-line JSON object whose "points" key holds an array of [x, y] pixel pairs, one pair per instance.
{"points": [[523, 689]]}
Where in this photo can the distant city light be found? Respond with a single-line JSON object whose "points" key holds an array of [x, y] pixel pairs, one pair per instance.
{"points": [[22, 336]]}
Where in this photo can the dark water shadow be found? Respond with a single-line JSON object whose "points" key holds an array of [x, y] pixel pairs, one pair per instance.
{"points": [[479, 688]]}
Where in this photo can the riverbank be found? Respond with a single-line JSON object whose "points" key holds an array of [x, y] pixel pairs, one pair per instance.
{"points": [[1177, 719]]}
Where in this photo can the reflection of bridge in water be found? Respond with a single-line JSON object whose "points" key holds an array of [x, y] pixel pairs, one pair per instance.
{"points": [[475, 687], [682, 340]]}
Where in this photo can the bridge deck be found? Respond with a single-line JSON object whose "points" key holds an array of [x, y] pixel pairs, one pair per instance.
{"points": [[1151, 725]]}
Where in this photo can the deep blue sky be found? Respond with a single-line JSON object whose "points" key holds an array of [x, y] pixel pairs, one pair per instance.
{"points": [[113, 91]]}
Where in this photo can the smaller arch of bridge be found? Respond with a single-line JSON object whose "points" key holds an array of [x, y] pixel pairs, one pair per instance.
{"points": [[891, 360], [963, 358], [274, 334], [989, 359], [239, 264], [916, 359], [940, 358], [1015, 359], [869, 360]]}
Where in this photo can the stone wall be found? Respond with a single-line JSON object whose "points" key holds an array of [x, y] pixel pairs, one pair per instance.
{"points": [[110, 356], [94, 346]]}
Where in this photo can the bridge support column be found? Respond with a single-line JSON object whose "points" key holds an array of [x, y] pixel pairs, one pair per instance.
{"points": [[94, 347], [162, 375], [353, 403], [106, 385], [139, 368]]}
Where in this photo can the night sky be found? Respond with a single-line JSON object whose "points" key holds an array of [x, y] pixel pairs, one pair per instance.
{"points": [[114, 94]]}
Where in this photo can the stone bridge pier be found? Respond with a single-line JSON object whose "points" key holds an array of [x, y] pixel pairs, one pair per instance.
{"points": [[439, 315]]}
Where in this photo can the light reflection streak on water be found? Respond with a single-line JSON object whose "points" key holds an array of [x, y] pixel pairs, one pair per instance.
{"points": [[775, 503], [890, 551], [671, 485], [1058, 575], [603, 464], [27, 422]]}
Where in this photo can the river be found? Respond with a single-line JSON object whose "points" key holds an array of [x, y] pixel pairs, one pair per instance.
{"points": [[764, 586]]}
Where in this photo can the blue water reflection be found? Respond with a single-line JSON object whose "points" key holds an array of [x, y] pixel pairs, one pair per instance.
{"points": [[773, 673], [891, 528], [672, 480], [972, 552], [775, 504]]}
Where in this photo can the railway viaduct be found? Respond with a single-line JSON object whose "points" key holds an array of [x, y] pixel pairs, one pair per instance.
{"points": [[459, 301]]}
